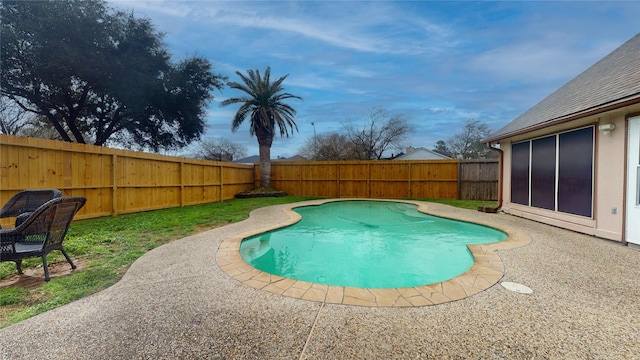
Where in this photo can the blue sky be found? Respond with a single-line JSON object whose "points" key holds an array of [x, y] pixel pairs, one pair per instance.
{"points": [[438, 64]]}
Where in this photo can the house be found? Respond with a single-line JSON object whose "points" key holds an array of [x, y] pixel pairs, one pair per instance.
{"points": [[573, 160], [256, 159], [248, 160], [293, 158], [421, 154]]}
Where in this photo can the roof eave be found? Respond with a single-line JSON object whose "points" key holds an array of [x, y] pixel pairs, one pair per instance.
{"points": [[613, 105]]}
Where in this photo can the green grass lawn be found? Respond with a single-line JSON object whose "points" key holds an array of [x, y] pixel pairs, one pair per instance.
{"points": [[108, 246]]}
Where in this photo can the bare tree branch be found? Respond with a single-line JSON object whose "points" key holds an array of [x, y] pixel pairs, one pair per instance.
{"points": [[382, 132], [13, 117], [466, 144], [220, 149]]}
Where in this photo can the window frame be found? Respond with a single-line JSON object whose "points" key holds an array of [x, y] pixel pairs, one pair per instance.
{"points": [[518, 155]]}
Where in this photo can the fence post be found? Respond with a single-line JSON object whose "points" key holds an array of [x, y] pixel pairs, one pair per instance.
{"points": [[410, 177], [181, 183], [300, 182], [338, 179], [114, 184], [221, 183], [459, 165], [368, 179]]}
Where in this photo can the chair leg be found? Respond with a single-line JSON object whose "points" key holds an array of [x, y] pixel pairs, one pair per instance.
{"points": [[45, 267], [73, 266]]}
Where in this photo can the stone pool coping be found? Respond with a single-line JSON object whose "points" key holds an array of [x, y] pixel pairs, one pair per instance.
{"points": [[486, 271]]}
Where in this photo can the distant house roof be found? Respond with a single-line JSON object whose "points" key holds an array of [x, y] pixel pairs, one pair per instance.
{"points": [[613, 82], [256, 159], [421, 154], [248, 160], [293, 158]]}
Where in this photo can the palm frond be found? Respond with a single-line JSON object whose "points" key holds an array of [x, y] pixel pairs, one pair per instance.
{"points": [[264, 103]]}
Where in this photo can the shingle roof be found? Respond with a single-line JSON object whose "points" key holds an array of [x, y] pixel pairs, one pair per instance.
{"points": [[613, 79], [422, 154], [256, 159]]}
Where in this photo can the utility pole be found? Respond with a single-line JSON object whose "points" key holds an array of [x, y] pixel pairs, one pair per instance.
{"points": [[315, 142]]}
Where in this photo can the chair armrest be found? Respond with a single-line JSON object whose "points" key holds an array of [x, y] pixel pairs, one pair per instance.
{"points": [[22, 217]]}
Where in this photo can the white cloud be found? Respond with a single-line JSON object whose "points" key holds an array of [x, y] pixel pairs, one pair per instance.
{"points": [[146, 8], [437, 62], [375, 27], [533, 61]]}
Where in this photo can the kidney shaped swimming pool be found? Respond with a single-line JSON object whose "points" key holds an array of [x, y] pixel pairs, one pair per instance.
{"points": [[368, 244]]}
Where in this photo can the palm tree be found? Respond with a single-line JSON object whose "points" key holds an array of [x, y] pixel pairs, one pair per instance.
{"points": [[266, 109]]}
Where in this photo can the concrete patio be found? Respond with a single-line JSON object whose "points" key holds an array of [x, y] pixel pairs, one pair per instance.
{"points": [[176, 302]]}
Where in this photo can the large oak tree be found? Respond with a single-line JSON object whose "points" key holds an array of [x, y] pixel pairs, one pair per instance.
{"points": [[101, 75]]}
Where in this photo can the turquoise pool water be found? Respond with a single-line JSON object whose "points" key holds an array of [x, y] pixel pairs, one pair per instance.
{"points": [[368, 244]]}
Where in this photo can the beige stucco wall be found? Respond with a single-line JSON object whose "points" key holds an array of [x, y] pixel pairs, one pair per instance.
{"points": [[609, 178], [610, 173]]}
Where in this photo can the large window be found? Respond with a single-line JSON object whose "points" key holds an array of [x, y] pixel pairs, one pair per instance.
{"points": [[555, 172], [543, 173], [520, 154]]}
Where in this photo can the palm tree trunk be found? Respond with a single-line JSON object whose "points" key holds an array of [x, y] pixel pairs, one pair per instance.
{"points": [[265, 166], [265, 139]]}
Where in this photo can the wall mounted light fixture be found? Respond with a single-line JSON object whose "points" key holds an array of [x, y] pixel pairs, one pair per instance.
{"points": [[606, 128]]}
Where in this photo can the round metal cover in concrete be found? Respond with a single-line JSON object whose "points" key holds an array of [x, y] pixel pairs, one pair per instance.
{"points": [[515, 287]]}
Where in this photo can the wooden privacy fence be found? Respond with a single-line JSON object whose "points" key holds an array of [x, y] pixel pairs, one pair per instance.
{"points": [[442, 179], [120, 181], [116, 181], [478, 179]]}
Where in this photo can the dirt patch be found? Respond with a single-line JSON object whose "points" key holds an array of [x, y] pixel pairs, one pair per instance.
{"points": [[34, 277], [203, 228], [260, 192]]}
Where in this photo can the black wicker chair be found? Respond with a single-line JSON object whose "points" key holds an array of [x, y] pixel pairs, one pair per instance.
{"points": [[40, 233], [22, 204]]}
